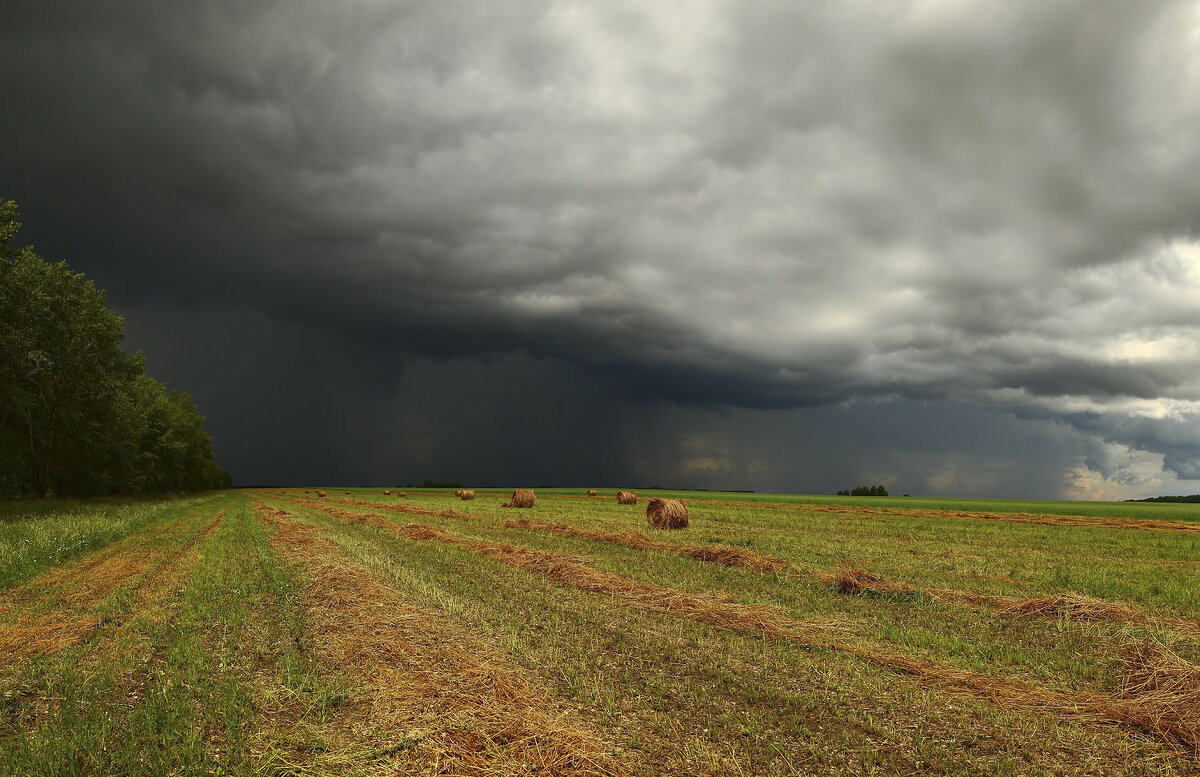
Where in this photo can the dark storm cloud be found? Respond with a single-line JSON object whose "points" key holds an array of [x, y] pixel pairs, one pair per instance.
{"points": [[763, 206]]}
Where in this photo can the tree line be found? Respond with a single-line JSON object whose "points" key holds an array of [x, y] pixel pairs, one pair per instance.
{"points": [[864, 491], [78, 415]]}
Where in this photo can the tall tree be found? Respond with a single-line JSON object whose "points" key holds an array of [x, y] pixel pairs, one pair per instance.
{"points": [[77, 414]]}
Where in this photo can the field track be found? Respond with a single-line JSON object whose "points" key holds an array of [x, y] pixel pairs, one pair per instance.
{"points": [[273, 633]]}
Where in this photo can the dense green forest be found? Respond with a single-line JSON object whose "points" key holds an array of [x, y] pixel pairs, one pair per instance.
{"points": [[78, 415]]}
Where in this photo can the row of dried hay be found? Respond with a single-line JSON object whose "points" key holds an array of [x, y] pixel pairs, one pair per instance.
{"points": [[1172, 714], [447, 699], [1072, 605], [724, 555], [1040, 519], [70, 616], [394, 508]]}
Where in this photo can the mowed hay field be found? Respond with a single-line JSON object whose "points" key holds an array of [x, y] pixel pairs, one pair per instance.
{"points": [[277, 632]]}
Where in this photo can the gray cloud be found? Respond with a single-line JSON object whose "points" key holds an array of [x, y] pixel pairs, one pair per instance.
{"points": [[698, 203]]}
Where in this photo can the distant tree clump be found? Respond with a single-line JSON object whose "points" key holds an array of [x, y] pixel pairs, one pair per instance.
{"points": [[1189, 499], [865, 491], [78, 416]]}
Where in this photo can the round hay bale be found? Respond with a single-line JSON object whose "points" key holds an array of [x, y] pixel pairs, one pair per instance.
{"points": [[626, 498], [320, 493], [522, 497], [387, 492], [401, 493], [347, 493], [458, 493], [591, 492], [667, 513], [466, 494]]}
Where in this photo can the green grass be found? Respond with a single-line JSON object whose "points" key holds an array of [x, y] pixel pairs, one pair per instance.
{"points": [[217, 675], [1160, 511], [165, 685], [739, 694], [34, 538]]}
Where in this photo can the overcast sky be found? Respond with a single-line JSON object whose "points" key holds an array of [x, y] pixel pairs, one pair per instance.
{"points": [[953, 248]]}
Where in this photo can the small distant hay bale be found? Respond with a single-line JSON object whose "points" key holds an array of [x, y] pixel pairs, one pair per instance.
{"points": [[522, 497], [347, 493], [466, 494], [387, 492], [626, 498], [401, 493], [591, 492], [667, 513], [320, 493], [458, 493]]}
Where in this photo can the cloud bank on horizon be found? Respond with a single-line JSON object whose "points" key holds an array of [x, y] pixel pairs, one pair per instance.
{"points": [[767, 207]]}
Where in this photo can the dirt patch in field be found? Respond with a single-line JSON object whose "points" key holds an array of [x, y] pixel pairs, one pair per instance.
{"points": [[445, 697], [725, 555]]}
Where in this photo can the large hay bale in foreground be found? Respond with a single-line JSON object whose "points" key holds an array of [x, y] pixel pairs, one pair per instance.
{"points": [[320, 493], [667, 513], [626, 498], [466, 494], [522, 497], [591, 492]]}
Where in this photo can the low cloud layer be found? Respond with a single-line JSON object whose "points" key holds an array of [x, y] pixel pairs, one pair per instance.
{"points": [[770, 209]]}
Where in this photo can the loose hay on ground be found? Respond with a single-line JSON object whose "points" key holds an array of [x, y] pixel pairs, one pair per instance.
{"points": [[1165, 717], [1152, 673], [414, 673], [713, 554], [1071, 605]]}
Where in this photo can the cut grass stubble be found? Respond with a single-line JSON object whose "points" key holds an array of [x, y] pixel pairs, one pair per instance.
{"points": [[1171, 712], [457, 708]]}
